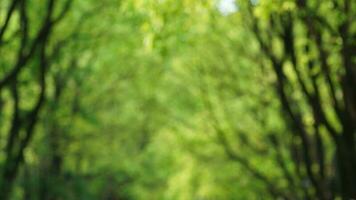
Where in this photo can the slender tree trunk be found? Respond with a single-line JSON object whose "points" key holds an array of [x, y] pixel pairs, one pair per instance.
{"points": [[347, 171]]}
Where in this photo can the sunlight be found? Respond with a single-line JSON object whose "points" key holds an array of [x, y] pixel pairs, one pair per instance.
{"points": [[227, 6]]}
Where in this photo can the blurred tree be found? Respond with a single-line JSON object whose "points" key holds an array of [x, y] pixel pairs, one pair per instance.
{"points": [[26, 44], [164, 99], [310, 54]]}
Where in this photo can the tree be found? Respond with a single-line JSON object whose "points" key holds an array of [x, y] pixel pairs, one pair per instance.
{"points": [[297, 40], [152, 99], [28, 50]]}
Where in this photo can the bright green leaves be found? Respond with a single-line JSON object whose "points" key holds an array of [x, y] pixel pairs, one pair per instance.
{"points": [[265, 8]]}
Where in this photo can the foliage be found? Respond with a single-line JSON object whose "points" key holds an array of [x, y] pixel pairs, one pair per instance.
{"points": [[164, 99]]}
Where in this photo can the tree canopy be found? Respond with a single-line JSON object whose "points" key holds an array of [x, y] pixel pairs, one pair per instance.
{"points": [[177, 100]]}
